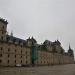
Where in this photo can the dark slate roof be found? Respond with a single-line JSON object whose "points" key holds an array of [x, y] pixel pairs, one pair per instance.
{"points": [[15, 39], [47, 42], [56, 42], [32, 39]]}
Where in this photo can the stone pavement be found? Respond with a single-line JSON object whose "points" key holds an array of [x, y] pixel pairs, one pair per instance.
{"points": [[43, 70]]}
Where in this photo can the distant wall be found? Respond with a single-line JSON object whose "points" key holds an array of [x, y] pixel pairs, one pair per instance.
{"points": [[47, 58]]}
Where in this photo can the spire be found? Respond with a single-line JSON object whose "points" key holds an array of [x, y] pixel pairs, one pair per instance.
{"points": [[58, 42], [57, 39], [11, 33], [32, 37], [69, 46], [28, 37]]}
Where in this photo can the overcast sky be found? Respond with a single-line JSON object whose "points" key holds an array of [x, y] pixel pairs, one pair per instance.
{"points": [[43, 19]]}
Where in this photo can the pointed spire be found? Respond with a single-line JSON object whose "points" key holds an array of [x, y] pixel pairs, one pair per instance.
{"points": [[69, 46], [11, 33], [58, 42], [57, 39], [32, 37], [29, 38]]}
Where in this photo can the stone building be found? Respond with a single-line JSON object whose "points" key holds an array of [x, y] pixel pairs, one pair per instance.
{"points": [[13, 50], [52, 53], [18, 52]]}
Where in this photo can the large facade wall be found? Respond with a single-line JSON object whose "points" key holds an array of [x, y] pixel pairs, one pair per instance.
{"points": [[3, 30], [11, 55], [48, 58]]}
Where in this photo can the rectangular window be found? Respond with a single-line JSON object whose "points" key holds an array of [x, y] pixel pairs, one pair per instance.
{"points": [[8, 55], [41, 62], [0, 55], [26, 52], [21, 61], [21, 46], [15, 61], [0, 61], [21, 51], [26, 62], [26, 56], [3, 27], [21, 56], [2, 37], [1, 48], [8, 61], [15, 56], [15, 50], [8, 49], [2, 32]]}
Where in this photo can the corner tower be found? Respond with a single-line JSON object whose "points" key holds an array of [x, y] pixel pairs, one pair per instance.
{"points": [[3, 28]]}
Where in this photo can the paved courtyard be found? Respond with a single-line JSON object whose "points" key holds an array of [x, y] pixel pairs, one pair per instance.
{"points": [[43, 70]]}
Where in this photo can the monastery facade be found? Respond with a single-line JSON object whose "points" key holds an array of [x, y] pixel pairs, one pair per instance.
{"points": [[19, 52]]}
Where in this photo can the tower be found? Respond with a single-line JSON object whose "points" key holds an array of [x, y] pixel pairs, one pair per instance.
{"points": [[70, 51], [3, 29], [31, 42]]}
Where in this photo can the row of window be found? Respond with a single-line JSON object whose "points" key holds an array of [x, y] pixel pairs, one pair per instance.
{"points": [[44, 61], [9, 50], [14, 61], [15, 56]]}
